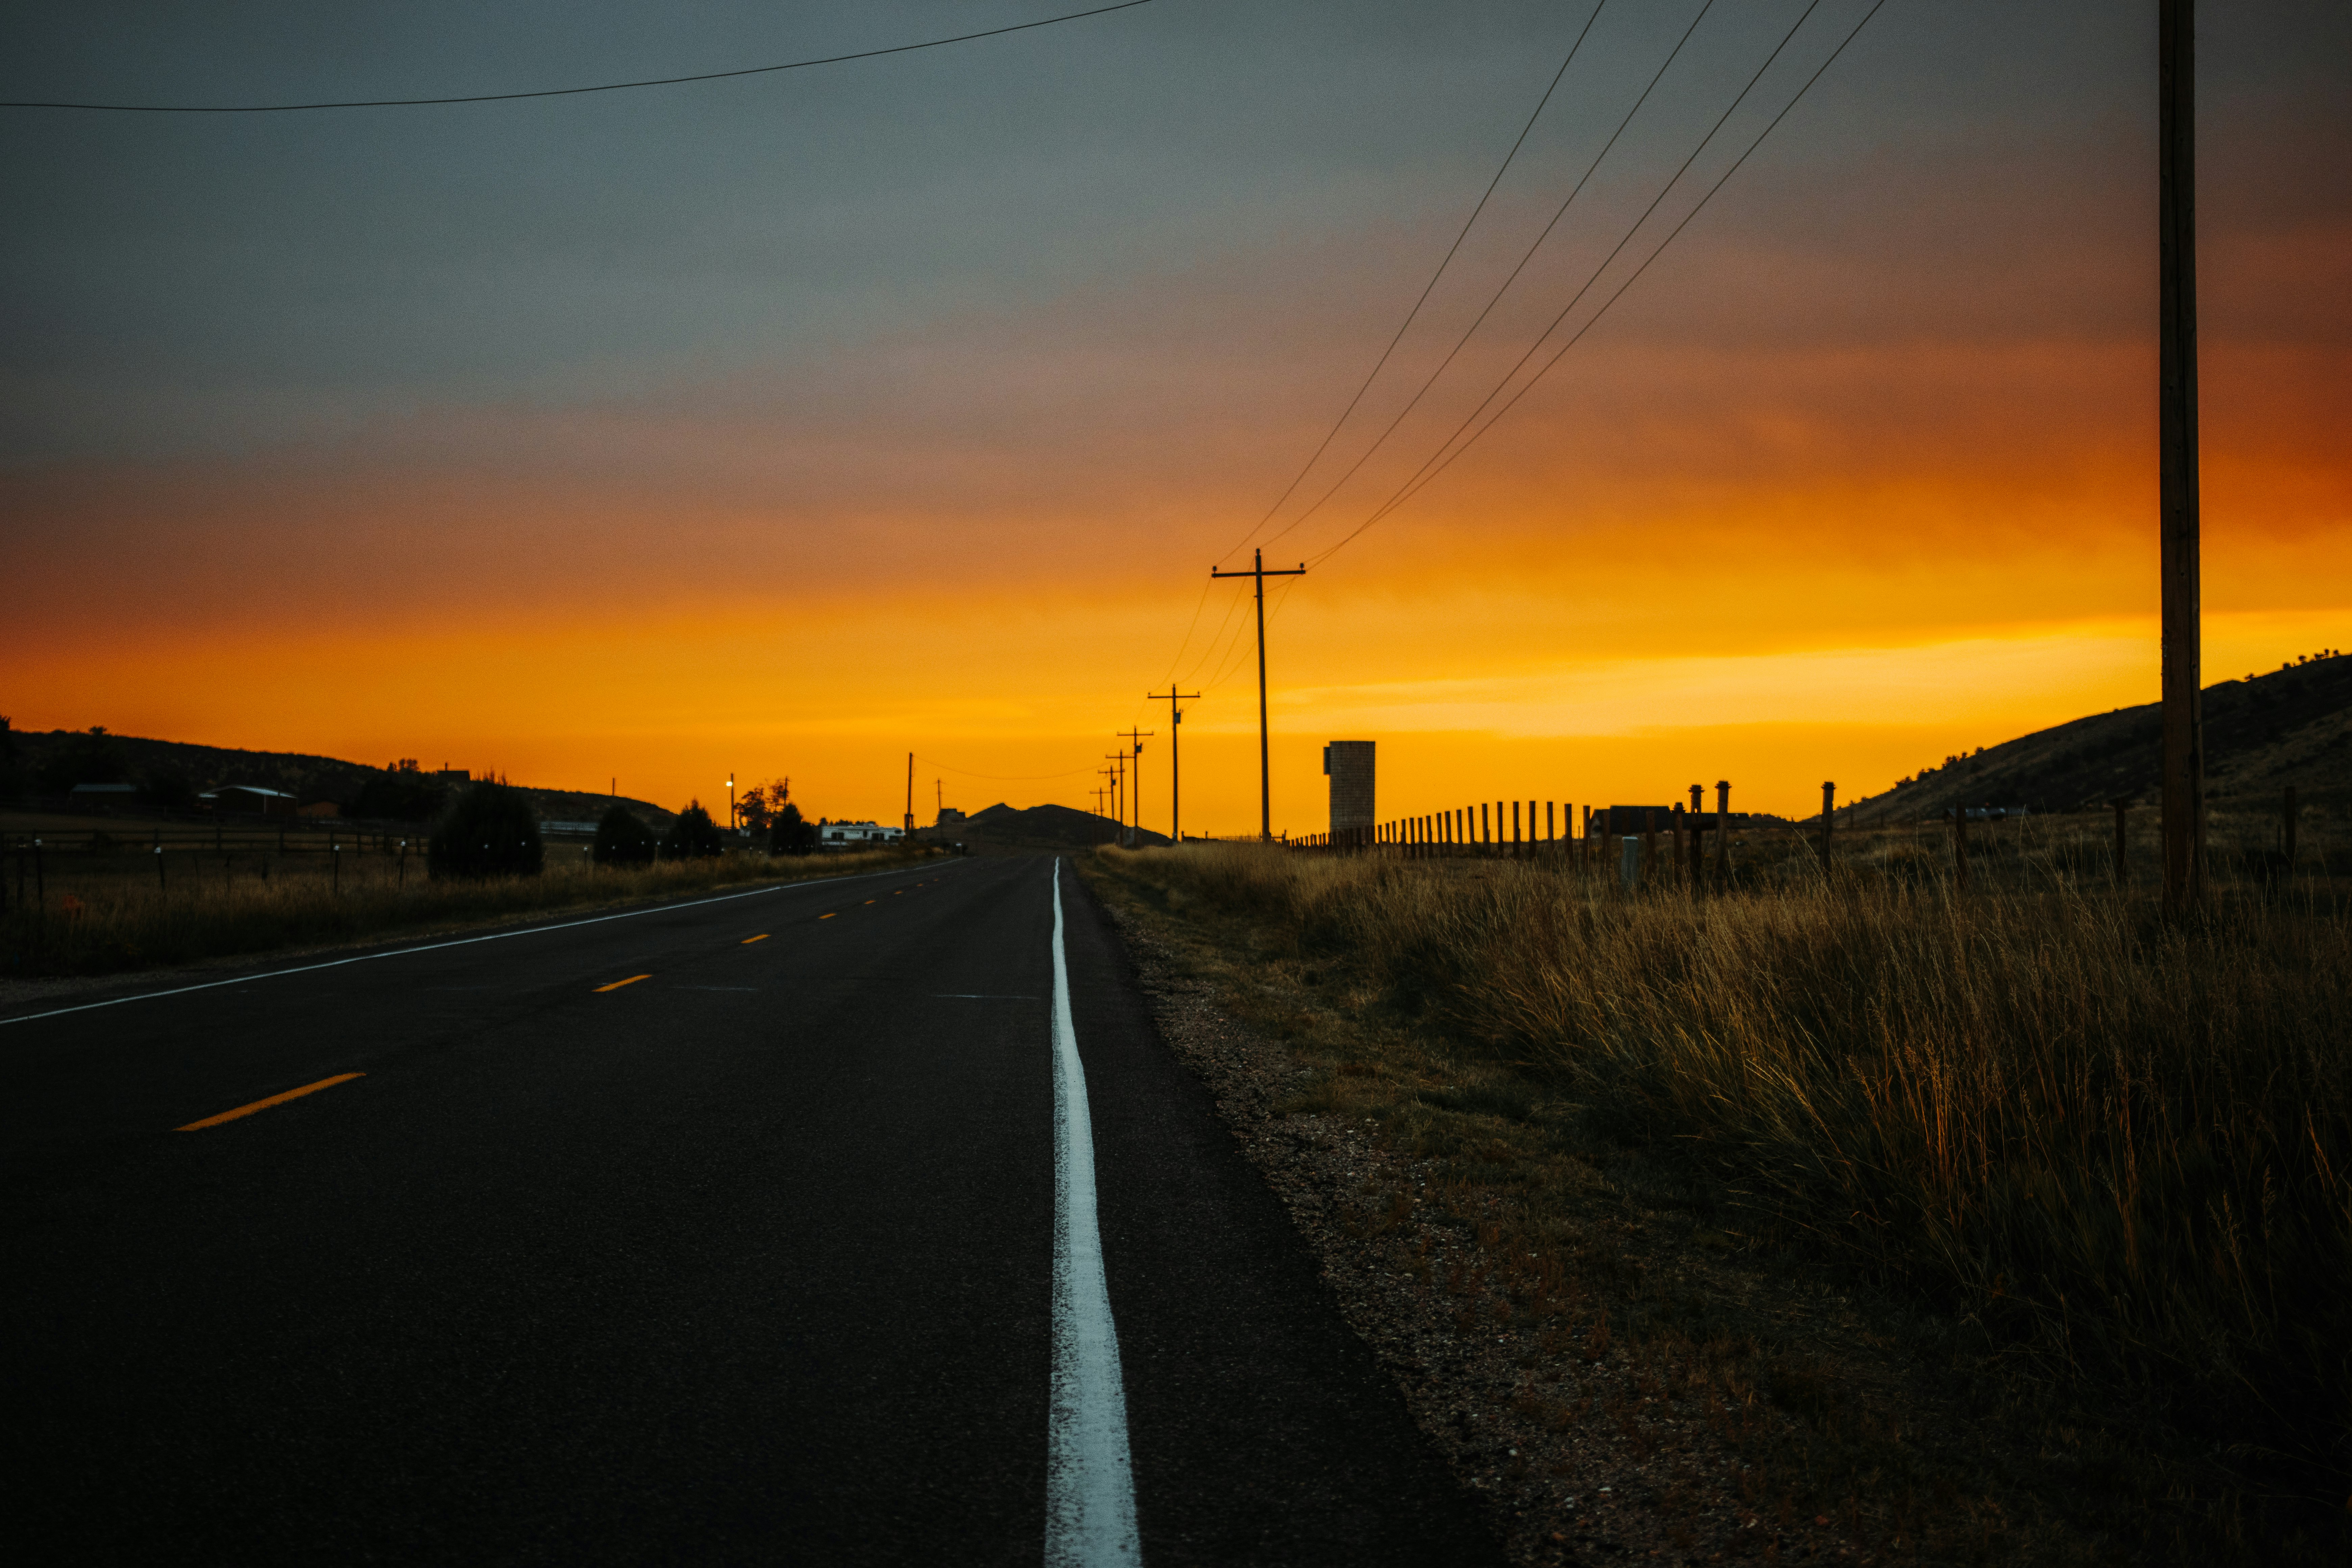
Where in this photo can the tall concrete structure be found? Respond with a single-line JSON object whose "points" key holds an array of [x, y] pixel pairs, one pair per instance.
{"points": [[1349, 765]]}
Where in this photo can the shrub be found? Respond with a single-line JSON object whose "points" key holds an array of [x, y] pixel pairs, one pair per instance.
{"points": [[622, 840], [167, 788], [693, 834], [489, 831]]}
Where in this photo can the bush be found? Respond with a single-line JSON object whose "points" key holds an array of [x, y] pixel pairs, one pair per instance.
{"points": [[692, 835], [489, 831], [790, 833], [167, 789], [622, 840]]}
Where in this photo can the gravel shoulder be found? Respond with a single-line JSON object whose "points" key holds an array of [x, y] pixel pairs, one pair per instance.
{"points": [[1601, 1355]]}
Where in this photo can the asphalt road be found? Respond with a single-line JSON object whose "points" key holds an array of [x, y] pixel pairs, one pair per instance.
{"points": [[749, 1259]]}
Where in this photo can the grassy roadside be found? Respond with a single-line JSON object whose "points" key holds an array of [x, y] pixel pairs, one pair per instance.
{"points": [[2002, 1228], [106, 924]]}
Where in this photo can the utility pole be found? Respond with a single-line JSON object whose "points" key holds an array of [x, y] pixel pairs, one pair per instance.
{"points": [[1265, 775], [911, 797], [2184, 719], [731, 800], [1118, 772], [1135, 796], [1175, 701]]}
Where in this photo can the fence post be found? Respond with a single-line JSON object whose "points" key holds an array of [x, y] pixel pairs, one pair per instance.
{"points": [[2123, 856], [159, 862], [335, 864], [1829, 807], [1722, 835]]}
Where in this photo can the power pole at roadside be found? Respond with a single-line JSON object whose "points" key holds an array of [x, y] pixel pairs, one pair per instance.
{"points": [[1175, 701], [1117, 771], [911, 797], [2184, 719], [1265, 775], [1135, 795]]}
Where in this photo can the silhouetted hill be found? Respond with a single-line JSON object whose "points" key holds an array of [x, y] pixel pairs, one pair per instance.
{"points": [[1002, 827], [306, 777], [2293, 726]]}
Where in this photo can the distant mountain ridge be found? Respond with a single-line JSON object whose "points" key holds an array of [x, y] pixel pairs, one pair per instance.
{"points": [[1042, 828], [2292, 726]]}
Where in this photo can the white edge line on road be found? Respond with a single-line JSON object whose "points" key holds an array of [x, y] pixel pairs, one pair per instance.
{"points": [[1089, 1480], [437, 946]]}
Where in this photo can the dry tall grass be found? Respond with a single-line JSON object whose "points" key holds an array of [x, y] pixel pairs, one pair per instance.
{"points": [[100, 917], [2126, 1141]]}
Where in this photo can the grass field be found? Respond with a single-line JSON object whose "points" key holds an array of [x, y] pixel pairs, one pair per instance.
{"points": [[112, 911], [2117, 1146]]}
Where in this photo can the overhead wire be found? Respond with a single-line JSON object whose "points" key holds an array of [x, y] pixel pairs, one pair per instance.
{"points": [[1001, 778], [1426, 288], [1497, 298], [1443, 459], [570, 91]]}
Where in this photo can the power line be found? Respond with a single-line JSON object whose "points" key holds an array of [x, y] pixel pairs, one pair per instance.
{"points": [[1428, 470], [570, 91], [1006, 778], [1463, 341], [1410, 316]]}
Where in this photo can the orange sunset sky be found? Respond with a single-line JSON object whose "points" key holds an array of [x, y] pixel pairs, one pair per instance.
{"points": [[788, 423]]}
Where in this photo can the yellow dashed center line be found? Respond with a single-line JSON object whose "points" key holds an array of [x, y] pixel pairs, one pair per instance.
{"points": [[273, 1099], [632, 980], [826, 916], [750, 940]]}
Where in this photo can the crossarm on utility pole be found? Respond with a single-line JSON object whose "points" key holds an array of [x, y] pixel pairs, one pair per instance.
{"points": [[1175, 701], [1265, 773]]}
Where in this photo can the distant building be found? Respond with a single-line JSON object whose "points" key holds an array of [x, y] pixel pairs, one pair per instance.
{"points": [[1349, 765], [856, 834], [587, 827], [249, 797], [950, 819]]}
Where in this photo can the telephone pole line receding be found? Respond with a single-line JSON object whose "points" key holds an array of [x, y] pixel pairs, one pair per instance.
{"points": [[1135, 795], [2184, 719], [1175, 701], [911, 797], [1265, 773]]}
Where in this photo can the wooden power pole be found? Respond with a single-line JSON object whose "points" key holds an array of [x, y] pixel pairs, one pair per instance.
{"points": [[2184, 719], [1175, 701], [1265, 773], [1135, 794], [911, 797]]}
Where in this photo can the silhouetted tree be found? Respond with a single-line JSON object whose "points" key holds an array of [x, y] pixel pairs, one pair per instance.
{"points": [[692, 834], [402, 792], [790, 833], [622, 840], [489, 830], [12, 777]]}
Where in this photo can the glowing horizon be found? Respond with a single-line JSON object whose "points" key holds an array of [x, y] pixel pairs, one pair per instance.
{"points": [[561, 444]]}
